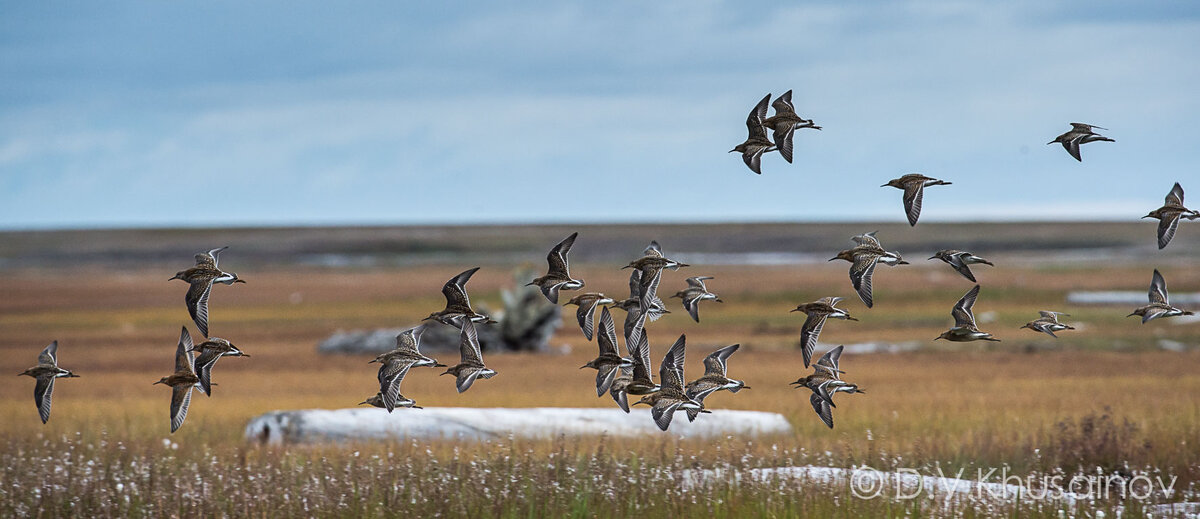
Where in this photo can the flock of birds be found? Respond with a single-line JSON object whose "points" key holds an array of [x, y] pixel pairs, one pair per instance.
{"points": [[618, 375]]}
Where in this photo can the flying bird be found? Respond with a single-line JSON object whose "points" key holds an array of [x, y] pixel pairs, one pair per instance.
{"points": [[210, 351], [784, 124], [671, 396], [964, 329], [558, 277], [715, 379], [394, 365], [609, 362], [914, 185], [960, 260], [201, 278], [587, 310], [1160, 303], [756, 142], [1048, 323], [182, 381], [376, 400], [458, 305], [1079, 134], [824, 382], [45, 372], [863, 258], [1169, 214], [471, 365], [818, 312], [694, 294]]}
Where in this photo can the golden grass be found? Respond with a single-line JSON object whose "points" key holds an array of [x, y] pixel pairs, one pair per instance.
{"points": [[978, 405]]}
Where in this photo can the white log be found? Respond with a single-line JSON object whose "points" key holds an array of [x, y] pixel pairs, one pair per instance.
{"points": [[356, 424]]}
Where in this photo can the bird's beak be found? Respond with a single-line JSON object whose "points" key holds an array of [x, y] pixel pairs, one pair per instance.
{"points": [[932, 257], [72, 375], [902, 262], [848, 318], [364, 402], [1051, 142], [795, 310], [885, 185], [239, 281], [831, 259], [244, 354]]}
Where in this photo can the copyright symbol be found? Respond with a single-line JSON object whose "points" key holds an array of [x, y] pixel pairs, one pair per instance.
{"points": [[866, 483]]}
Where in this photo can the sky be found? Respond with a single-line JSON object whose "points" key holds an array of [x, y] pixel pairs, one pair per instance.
{"points": [[153, 114]]}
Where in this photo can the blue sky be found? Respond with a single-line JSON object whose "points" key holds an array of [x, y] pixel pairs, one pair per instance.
{"points": [[277, 113]]}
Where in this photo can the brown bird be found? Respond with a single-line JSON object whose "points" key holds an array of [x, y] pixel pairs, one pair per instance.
{"points": [[960, 261], [471, 365], [714, 379], [914, 185], [586, 313], [609, 362], [396, 363], [818, 312], [1160, 302], [558, 277], [694, 294], [1048, 323], [45, 372], [182, 381], [756, 142], [201, 277], [964, 329], [458, 305], [1079, 134], [863, 259], [377, 401], [671, 396], [210, 351], [1169, 214], [824, 383], [784, 124]]}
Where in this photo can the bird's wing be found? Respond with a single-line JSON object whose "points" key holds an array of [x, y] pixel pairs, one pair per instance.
{"points": [[49, 356], [607, 339], [1166, 229], [183, 357], [466, 377], [822, 408], [197, 302], [1158, 289], [861, 272], [204, 364], [1175, 197], [867, 239], [1072, 147], [43, 392], [181, 398], [962, 310], [754, 121], [558, 256], [390, 377], [670, 373], [698, 282], [455, 290], [809, 333], [716, 363], [663, 412], [831, 359], [468, 344], [604, 379], [913, 193]]}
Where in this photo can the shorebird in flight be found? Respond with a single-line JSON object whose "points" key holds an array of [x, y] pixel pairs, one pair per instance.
{"points": [[818, 312], [1169, 214], [756, 142], [960, 261], [558, 277], [1160, 302], [964, 329], [45, 372], [914, 185], [863, 259], [784, 124], [201, 277], [1079, 134], [458, 305]]}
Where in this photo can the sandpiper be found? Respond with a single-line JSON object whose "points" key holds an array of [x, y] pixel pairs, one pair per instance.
{"points": [[1048, 323], [471, 365], [609, 362], [558, 277], [1160, 303], [1079, 134], [756, 142], [643, 301], [396, 363], [45, 372], [960, 261], [784, 124], [818, 311], [863, 259], [587, 310], [1169, 214], [824, 382], [210, 350], [714, 379], [619, 384], [400, 401], [653, 261], [182, 381], [201, 277], [458, 305], [671, 396], [914, 185], [694, 294], [964, 329]]}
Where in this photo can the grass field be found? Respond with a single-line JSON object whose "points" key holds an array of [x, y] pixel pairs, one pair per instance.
{"points": [[1104, 397]]}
